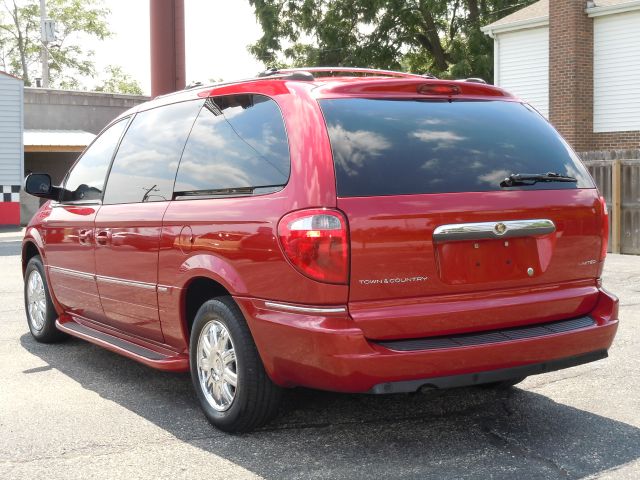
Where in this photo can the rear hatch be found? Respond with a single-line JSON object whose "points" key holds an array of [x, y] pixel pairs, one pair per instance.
{"points": [[440, 243]]}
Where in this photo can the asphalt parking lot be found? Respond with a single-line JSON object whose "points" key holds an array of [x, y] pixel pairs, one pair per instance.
{"points": [[74, 410]]}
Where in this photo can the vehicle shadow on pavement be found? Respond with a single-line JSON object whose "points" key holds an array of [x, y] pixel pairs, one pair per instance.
{"points": [[459, 433]]}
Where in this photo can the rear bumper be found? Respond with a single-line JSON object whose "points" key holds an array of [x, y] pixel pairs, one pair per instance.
{"points": [[489, 376], [326, 350]]}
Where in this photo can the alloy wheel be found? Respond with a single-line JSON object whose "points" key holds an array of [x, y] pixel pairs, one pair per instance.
{"points": [[36, 300], [217, 366]]}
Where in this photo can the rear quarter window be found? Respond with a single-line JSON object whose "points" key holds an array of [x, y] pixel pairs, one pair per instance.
{"points": [[237, 142], [398, 147]]}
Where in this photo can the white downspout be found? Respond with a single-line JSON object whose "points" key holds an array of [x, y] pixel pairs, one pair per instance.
{"points": [[496, 59]]}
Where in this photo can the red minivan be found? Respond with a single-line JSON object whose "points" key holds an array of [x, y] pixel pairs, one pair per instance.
{"points": [[350, 230]]}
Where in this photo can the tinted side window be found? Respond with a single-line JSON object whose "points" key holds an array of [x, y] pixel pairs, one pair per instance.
{"points": [[86, 179], [397, 147], [145, 166], [238, 141]]}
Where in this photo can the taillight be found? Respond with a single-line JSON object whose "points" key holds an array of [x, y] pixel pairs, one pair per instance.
{"points": [[316, 243], [605, 229]]}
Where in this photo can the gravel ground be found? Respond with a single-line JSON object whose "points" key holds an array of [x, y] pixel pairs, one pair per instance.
{"points": [[74, 410]]}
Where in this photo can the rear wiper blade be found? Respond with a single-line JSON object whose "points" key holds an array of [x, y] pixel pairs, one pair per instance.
{"points": [[516, 179]]}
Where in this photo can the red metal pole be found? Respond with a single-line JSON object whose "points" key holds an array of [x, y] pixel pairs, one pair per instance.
{"points": [[167, 46]]}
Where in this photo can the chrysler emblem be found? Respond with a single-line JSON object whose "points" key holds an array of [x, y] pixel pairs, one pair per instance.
{"points": [[500, 228]]}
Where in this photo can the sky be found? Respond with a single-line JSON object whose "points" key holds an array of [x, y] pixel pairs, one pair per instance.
{"points": [[217, 34]]}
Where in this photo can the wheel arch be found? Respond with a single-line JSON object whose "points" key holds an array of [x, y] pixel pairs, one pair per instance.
{"points": [[29, 250], [198, 290], [206, 276], [32, 246]]}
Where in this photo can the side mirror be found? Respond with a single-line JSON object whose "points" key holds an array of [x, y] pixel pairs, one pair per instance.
{"points": [[39, 185]]}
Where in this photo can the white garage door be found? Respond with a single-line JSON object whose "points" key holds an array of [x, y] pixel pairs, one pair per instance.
{"points": [[523, 65], [616, 68], [10, 133]]}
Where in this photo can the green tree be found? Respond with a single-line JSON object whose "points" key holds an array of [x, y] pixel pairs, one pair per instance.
{"points": [[442, 37], [117, 81], [20, 38]]}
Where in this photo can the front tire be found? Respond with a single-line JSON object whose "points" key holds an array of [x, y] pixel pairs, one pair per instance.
{"points": [[231, 384], [41, 314]]}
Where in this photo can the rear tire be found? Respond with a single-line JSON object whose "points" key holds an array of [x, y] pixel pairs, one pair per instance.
{"points": [[41, 314], [504, 384], [222, 352]]}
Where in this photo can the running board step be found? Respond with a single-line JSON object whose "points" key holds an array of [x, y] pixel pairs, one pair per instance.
{"points": [[175, 362]]}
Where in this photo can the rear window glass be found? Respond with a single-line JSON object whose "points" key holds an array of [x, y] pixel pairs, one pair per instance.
{"points": [[396, 147]]}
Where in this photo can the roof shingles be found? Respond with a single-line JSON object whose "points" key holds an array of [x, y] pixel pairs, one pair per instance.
{"points": [[538, 10]]}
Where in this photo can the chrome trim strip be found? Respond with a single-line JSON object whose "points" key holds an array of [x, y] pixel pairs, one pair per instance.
{"points": [[130, 283], [72, 273], [81, 203], [295, 308], [492, 230], [119, 281]]}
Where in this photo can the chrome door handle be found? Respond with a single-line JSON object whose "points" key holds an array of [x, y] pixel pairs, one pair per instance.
{"points": [[84, 236], [103, 237]]}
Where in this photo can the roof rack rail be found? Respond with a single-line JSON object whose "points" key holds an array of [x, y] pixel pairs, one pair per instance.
{"points": [[475, 80], [296, 74], [267, 75], [194, 85], [302, 74], [343, 70]]}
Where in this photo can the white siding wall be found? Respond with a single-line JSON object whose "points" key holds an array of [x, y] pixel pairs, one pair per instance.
{"points": [[522, 65], [616, 72], [11, 150]]}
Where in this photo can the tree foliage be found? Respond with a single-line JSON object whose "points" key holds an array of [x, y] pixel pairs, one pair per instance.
{"points": [[442, 37], [20, 39], [117, 81]]}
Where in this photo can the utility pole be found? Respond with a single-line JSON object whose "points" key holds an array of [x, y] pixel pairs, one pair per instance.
{"points": [[167, 46], [44, 53]]}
